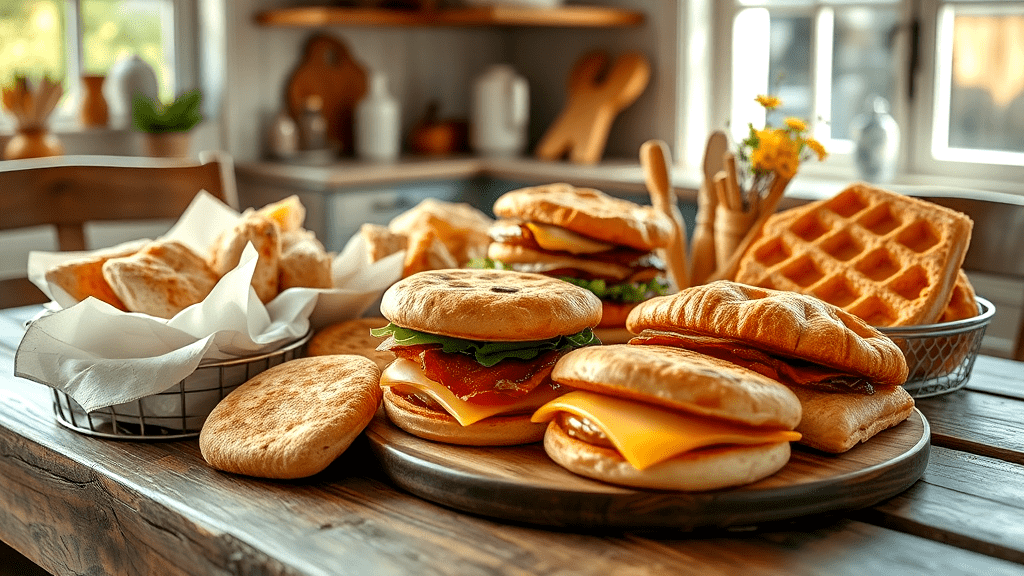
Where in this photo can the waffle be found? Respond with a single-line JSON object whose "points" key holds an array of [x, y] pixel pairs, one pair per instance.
{"points": [[889, 259]]}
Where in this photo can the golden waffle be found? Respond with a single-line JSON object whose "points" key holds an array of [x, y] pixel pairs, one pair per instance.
{"points": [[962, 303], [890, 259]]}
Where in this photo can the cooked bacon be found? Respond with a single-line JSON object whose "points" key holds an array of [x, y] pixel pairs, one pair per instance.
{"points": [[787, 371]]}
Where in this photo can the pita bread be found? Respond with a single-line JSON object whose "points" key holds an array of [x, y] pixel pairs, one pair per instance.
{"points": [[265, 236], [492, 305], [292, 420], [83, 277], [837, 421], [161, 279], [289, 213], [381, 242], [459, 226], [304, 262], [426, 252], [351, 337]]}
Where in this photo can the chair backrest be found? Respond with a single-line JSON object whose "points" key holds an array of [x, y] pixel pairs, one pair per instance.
{"points": [[66, 192]]}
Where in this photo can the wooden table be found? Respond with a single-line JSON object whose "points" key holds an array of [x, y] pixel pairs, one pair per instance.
{"points": [[76, 504]]}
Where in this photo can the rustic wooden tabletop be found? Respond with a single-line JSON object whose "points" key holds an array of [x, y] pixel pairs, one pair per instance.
{"points": [[76, 504]]}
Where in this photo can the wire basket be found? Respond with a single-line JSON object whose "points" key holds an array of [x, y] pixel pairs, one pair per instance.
{"points": [[940, 356], [178, 412]]}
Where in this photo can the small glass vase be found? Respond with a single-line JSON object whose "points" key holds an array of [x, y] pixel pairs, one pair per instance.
{"points": [[32, 143]]}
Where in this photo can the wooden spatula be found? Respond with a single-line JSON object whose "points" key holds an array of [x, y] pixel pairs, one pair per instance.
{"points": [[702, 251], [655, 158]]}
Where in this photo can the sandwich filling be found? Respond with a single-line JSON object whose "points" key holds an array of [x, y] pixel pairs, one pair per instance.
{"points": [[645, 434], [473, 379]]}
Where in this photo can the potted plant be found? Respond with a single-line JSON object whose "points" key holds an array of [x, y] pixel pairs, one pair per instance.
{"points": [[167, 127]]}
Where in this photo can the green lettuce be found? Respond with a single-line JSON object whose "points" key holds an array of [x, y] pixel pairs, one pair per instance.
{"points": [[630, 292], [488, 353]]}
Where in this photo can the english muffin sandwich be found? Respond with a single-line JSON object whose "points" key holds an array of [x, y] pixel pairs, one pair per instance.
{"points": [[667, 418], [584, 236], [846, 373], [475, 349]]}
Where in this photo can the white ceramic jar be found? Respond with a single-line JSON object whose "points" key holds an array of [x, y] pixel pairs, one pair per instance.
{"points": [[378, 123], [127, 77], [500, 112]]}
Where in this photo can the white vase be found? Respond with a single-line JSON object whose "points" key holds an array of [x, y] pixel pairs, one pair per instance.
{"points": [[128, 77], [378, 123], [876, 138], [500, 111]]}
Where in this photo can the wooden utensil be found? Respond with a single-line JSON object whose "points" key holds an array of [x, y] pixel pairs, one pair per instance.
{"points": [[727, 270], [702, 246], [328, 71], [654, 157], [595, 98]]}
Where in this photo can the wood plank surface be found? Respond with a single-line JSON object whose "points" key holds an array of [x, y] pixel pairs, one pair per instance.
{"points": [[977, 422]]}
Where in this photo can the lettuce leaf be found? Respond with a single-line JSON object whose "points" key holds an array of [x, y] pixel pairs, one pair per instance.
{"points": [[625, 292], [488, 353]]}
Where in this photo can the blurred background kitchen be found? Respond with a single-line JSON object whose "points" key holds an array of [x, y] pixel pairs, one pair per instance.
{"points": [[906, 93]]}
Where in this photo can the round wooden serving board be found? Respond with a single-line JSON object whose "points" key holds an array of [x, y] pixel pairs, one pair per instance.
{"points": [[522, 484]]}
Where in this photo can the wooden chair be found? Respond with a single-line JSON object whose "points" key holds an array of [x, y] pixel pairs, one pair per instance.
{"points": [[66, 192]]}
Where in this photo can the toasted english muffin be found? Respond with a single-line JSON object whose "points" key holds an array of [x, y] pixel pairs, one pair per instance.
{"points": [[294, 419], [265, 236], [779, 322], [492, 305], [161, 279], [589, 212], [351, 337]]}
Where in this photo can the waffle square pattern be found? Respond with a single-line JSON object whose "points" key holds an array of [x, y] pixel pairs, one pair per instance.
{"points": [[890, 259]]}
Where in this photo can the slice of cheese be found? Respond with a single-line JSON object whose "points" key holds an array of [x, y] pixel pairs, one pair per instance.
{"points": [[406, 376], [647, 435], [551, 237]]}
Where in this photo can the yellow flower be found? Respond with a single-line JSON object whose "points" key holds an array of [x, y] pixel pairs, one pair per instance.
{"points": [[817, 148], [769, 102], [796, 124]]}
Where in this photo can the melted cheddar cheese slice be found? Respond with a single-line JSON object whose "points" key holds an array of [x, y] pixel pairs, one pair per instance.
{"points": [[407, 377], [551, 237], [647, 435]]}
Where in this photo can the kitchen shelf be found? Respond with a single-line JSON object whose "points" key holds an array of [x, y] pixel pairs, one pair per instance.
{"points": [[564, 17]]}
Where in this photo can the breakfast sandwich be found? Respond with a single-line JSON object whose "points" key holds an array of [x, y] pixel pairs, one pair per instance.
{"points": [[475, 349], [846, 373], [667, 418], [584, 236]]}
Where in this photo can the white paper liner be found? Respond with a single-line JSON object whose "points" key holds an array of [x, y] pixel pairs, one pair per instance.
{"points": [[101, 356]]}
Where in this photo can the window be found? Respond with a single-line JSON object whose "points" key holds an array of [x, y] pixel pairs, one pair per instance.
{"points": [[951, 71], [69, 38]]}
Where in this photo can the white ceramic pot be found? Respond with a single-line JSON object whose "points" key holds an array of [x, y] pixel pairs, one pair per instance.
{"points": [[500, 111], [378, 123], [127, 77]]}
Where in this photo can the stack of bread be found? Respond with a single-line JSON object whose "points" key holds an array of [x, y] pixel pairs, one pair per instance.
{"points": [[164, 277]]}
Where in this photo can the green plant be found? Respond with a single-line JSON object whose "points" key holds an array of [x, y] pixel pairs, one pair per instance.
{"points": [[180, 115]]}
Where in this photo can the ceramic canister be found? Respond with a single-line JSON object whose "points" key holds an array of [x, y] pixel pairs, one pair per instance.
{"points": [[500, 111], [127, 77]]}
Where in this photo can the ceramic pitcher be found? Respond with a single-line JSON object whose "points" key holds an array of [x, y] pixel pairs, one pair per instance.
{"points": [[501, 103]]}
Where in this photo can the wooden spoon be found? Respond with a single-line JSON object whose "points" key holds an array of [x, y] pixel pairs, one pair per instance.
{"points": [[702, 256], [654, 156]]}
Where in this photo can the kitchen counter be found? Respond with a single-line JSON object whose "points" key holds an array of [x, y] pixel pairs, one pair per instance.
{"points": [[77, 504]]}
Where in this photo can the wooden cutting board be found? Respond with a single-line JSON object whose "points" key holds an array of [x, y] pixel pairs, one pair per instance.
{"points": [[328, 71], [522, 484]]}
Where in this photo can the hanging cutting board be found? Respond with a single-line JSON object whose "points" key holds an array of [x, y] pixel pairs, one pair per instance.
{"points": [[328, 70], [598, 90], [520, 483]]}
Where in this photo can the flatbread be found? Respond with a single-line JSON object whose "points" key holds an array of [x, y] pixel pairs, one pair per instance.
{"points": [[83, 277], [161, 279], [265, 236], [294, 419], [304, 262], [380, 241], [351, 337], [458, 225], [837, 421], [492, 305]]}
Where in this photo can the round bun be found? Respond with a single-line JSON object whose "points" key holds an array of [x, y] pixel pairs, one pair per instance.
{"points": [[351, 337], [294, 419], [588, 212], [493, 305], [680, 379], [705, 469], [783, 323], [441, 427]]}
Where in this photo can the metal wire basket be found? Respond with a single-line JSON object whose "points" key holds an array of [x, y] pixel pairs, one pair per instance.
{"points": [[940, 356], [178, 412]]}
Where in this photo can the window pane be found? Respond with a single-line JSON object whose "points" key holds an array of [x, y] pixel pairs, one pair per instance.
{"points": [[32, 39], [986, 95], [863, 61], [789, 67], [113, 29]]}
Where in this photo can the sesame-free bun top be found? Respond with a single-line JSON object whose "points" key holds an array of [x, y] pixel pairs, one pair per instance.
{"points": [[588, 212], [783, 323], [494, 305], [680, 379]]}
